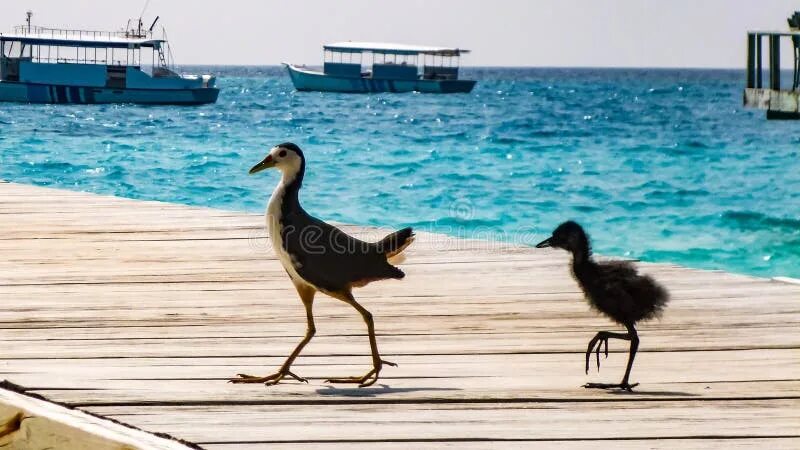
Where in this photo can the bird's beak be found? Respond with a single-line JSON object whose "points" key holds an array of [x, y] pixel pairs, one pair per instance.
{"points": [[265, 164], [545, 243]]}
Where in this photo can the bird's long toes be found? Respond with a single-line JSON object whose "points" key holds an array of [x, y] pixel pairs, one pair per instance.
{"points": [[621, 386], [248, 379], [345, 380], [370, 378], [388, 363], [628, 387], [296, 377], [597, 353], [368, 382]]}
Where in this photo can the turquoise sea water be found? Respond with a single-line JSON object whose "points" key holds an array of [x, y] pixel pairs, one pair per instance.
{"points": [[662, 165]]}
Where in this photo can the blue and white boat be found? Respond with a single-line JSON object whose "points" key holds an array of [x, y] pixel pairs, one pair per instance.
{"points": [[50, 65], [383, 67]]}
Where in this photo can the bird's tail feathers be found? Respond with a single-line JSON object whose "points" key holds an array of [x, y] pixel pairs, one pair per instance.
{"points": [[393, 245]]}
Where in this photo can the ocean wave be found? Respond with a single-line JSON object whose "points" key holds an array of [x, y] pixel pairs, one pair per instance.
{"points": [[749, 220], [674, 194]]}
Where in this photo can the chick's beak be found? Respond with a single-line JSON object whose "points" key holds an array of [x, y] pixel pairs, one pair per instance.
{"points": [[265, 164], [545, 243]]}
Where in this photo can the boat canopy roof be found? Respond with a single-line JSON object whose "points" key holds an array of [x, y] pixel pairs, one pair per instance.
{"points": [[99, 41], [386, 47], [775, 33]]}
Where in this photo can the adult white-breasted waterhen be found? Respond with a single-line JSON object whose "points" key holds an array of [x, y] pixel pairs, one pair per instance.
{"points": [[320, 257], [615, 289]]}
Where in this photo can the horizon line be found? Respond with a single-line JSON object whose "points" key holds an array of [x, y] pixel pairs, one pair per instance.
{"points": [[507, 67]]}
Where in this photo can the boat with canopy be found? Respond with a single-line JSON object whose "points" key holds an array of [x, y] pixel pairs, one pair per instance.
{"points": [[383, 67], [54, 65]]}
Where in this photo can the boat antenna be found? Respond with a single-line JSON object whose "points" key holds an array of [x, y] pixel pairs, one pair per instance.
{"points": [[146, 4], [28, 15], [141, 14], [154, 24]]}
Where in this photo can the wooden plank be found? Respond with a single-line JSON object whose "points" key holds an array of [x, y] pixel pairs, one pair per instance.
{"points": [[451, 378], [489, 421], [589, 444]]}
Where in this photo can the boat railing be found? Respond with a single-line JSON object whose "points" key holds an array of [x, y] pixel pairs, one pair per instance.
{"points": [[89, 61], [64, 33]]}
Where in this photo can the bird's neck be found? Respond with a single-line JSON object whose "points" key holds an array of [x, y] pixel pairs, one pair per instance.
{"points": [[291, 188], [581, 253], [287, 193]]}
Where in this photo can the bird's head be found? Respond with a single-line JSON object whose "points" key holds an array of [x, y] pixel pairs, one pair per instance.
{"points": [[568, 236], [286, 157]]}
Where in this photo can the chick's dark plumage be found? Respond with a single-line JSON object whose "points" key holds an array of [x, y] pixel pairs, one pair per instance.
{"points": [[618, 291], [614, 288]]}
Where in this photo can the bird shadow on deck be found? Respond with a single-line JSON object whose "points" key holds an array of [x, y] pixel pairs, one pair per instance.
{"points": [[637, 392], [381, 389]]}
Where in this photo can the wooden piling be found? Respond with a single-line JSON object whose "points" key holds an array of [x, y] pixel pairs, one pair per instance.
{"points": [[751, 60], [774, 62], [779, 103]]}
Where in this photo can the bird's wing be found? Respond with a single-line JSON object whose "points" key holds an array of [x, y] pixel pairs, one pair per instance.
{"points": [[609, 288], [331, 259], [639, 296]]}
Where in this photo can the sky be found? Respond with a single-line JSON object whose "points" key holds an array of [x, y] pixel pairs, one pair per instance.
{"points": [[539, 33]]}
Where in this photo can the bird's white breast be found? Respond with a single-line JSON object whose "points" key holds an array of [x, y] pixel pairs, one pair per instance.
{"points": [[274, 226]]}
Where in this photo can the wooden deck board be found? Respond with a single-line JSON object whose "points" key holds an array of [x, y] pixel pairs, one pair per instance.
{"points": [[140, 310], [669, 444], [491, 421]]}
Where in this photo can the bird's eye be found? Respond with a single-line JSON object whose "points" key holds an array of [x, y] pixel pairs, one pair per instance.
{"points": [[282, 154]]}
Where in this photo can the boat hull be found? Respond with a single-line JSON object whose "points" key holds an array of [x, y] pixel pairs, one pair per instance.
{"points": [[306, 80], [51, 93]]}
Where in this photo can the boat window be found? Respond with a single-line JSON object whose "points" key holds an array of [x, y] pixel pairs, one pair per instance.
{"points": [[12, 49]]}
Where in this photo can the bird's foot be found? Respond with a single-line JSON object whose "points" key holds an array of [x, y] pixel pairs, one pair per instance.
{"points": [[621, 386], [268, 380], [594, 346], [368, 379]]}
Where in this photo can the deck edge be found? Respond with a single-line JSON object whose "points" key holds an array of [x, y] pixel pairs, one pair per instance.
{"points": [[32, 421], [788, 280]]}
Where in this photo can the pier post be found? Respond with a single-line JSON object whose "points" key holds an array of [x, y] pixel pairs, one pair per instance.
{"points": [[759, 69], [774, 62], [751, 60]]}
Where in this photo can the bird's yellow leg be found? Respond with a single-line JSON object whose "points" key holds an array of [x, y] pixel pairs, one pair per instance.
{"points": [[370, 377], [307, 296]]}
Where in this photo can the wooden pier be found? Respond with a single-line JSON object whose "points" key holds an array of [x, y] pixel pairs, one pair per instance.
{"points": [[778, 98], [139, 311]]}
